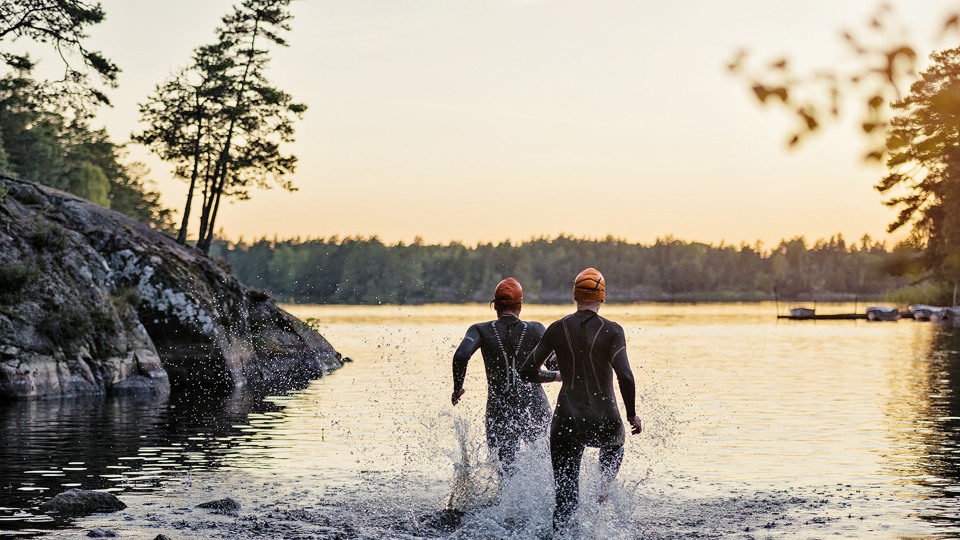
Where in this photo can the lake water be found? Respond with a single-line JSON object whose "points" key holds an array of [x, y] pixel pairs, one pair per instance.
{"points": [[754, 428]]}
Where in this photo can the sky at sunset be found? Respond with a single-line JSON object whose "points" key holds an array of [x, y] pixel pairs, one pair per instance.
{"points": [[512, 119]]}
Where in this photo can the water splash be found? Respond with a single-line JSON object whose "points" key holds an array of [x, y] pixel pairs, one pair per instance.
{"points": [[475, 480], [519, 505]]}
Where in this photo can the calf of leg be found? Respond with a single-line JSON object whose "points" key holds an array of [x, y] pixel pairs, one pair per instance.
{"points": [[565, 454], [610, 460], [503, 435]]}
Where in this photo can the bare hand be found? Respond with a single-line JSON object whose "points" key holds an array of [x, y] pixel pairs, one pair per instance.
{"points": [[635, 426], [455, 397]]}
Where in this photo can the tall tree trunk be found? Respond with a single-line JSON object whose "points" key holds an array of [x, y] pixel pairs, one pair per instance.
{"points": [[216, 188], [182, 235], [208, 183], [204, 214], [205, 243]]}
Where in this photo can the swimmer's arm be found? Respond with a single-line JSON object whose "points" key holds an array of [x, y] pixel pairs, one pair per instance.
{"points": [[551, 361], [468, 346], [531, 372], [628, 387]]}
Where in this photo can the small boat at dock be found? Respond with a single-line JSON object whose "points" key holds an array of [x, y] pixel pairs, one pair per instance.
{"points": [[883, 313], [951, 314], [923, 312]]}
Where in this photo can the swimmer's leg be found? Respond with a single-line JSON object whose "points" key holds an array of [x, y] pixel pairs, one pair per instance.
{"points": [[566, 452], [502, 434], [610, 460], [507, 452]]}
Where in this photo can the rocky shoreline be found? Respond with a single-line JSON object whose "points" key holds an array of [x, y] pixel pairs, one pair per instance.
{"points": [[95, 303]]}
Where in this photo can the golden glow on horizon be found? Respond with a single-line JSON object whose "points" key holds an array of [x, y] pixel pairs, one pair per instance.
{"points": [[519, 119]]}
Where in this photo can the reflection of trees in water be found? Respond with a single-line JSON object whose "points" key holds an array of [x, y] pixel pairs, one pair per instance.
{"points": [[122, 443], [909, 409], [942, 425], [925, 414]]}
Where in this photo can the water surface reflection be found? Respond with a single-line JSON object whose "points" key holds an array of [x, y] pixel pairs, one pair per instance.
{"points": [[123, 444], [927, 426]]}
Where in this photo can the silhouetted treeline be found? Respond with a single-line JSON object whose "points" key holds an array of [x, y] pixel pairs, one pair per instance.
{"points": [[366, 271]]}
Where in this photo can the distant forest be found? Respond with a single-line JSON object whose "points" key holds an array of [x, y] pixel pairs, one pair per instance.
{"points": [[367, 271]]}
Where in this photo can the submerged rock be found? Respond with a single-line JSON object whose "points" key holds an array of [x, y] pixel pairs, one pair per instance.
{"points": [[92, 302], [221, 505], [101, 533], [82, 502]]}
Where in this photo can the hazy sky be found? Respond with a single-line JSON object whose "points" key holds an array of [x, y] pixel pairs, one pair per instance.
{"points": [[510, 119]]}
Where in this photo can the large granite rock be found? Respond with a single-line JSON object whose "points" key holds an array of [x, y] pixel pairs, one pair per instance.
{"points": [[92, 302], [82, 502]]}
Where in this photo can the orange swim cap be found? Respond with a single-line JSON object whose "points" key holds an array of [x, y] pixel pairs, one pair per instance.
{"points": [[589, 286], [509, 294]]}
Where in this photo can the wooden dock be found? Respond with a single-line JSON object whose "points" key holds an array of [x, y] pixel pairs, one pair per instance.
{"points": [[825, 317], [838, 317]]}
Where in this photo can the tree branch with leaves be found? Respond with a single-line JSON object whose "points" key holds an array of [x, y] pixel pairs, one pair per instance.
{"points": [[62, 24], [883, 61]]}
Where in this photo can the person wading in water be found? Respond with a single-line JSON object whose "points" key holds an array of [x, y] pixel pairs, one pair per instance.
{"points": [[589, 350], [517, 410]]}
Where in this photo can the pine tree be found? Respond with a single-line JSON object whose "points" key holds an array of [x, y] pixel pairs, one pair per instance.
{"points": [[924, 164], [221, 121]]}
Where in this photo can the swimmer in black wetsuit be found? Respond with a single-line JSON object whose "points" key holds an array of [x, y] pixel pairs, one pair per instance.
{"points": [[589, 350], [516, 409]]}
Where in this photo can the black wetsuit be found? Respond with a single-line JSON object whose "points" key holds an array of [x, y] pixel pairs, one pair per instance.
{"points": [[589, 349], [516, 409]]}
